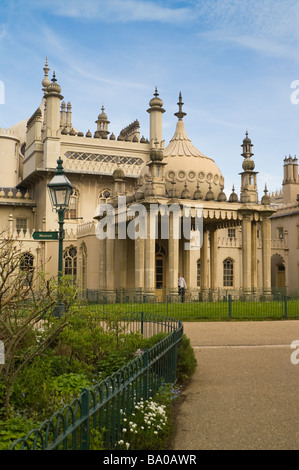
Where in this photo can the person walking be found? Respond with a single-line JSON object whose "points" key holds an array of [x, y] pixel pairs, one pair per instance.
{"points": [[182, 287]]}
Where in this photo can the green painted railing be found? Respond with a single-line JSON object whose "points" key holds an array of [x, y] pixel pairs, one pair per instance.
{"points": [[225, 305], [98, 412]]}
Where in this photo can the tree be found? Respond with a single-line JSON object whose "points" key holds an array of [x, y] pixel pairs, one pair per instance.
{"points": [[27, 300]]}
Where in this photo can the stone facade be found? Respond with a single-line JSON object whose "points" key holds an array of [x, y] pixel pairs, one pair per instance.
{"points": [[234, 252]]}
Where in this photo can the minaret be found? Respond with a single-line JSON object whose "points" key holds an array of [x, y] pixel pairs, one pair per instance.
{"points": [[51, 137], [248, 176], [102, 125], [156, 110]]}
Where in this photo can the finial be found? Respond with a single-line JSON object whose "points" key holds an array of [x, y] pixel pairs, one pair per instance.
{"points": [[156, 92], [46, 82], [180, 113], [54, 77]]}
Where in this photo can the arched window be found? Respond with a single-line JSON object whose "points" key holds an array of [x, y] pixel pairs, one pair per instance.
{"points": [[26, 266], [104, 195], [228, 272], [72, 212], [83, 252], [70, 262], [198, 272]]}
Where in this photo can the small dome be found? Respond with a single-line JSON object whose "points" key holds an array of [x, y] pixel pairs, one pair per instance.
{"points": [[142, 140], [80, 134], [154, 102], [88, 134], [54, 87], [73, 132], [185, 193], [197, 194], [248, 164], [233, 197], [210, 195], [222, 196], [266, 198], [118, 174], [156, 155], [103, 116], [112, 137], [64, 131]]}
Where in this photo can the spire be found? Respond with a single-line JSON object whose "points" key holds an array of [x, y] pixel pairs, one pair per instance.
{"points": [[180, 113], [46, 81]]}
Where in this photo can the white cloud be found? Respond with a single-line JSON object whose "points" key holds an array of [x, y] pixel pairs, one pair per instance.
{"points": [[114, 10]]}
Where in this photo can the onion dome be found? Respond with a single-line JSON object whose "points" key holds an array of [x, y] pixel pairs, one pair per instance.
{"points": [[173, 191], [156, 155], [156, 102], [266, 198], [64, 131], [197, 194], [112, 137], [118, 174], [73, 132], [142, 140], [80, 134], [248, 164], [222, 196], [185, 163], [54, 87], [233, 197], [210, 195], [88, 134], [185, 193], [103, 116]]}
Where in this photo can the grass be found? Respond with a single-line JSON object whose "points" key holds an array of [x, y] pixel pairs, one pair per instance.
{"points": [[212, 311]]}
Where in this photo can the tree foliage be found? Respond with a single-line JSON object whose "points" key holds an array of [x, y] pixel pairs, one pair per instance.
{"points": [[27, 323]]}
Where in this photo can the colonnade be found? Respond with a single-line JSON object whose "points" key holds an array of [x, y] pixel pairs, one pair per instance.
{"points": [[143, 265]]}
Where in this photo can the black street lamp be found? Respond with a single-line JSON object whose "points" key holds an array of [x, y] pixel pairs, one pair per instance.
{"points": [[60, 190]]}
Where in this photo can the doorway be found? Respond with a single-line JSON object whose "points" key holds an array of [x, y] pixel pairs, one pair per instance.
{"points": [[160, 273]]}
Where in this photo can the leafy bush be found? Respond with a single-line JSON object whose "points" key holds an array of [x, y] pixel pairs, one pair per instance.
{"points": [[13, 429], [186, 360]]}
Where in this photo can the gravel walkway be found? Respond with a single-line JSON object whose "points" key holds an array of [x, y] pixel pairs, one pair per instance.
{"points": [[245, 391]]}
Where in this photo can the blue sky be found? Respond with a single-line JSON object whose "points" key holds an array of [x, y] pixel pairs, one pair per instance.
{"points": [[234, 62]]}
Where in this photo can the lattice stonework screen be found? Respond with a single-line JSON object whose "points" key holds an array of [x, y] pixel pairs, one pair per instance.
{"points": [[101, 163]]}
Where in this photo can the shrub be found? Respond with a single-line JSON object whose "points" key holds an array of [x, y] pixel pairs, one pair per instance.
{"points": [[186, 360]]}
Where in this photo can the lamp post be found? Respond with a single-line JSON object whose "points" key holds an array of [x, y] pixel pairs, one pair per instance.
{"points": [[60, 190]]}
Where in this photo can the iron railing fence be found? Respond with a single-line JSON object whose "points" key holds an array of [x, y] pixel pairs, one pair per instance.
{"points": [[99, 412], [225, 305]]}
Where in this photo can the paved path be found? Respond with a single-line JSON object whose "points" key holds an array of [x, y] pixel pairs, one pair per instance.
{"points": [[245, 391]]}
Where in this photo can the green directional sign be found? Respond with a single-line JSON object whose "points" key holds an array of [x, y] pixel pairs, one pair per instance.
{"points": [[45, 235]]}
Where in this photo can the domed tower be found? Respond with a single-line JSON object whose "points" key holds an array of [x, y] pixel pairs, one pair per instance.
{"points": [[156, 110], [51, 138], [248, 176], [102, 125], [187, 165]]}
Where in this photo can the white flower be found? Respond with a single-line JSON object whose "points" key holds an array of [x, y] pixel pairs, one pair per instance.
{"points": [[121, 442], [127, 445], [124, 430], [155, 432]]}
